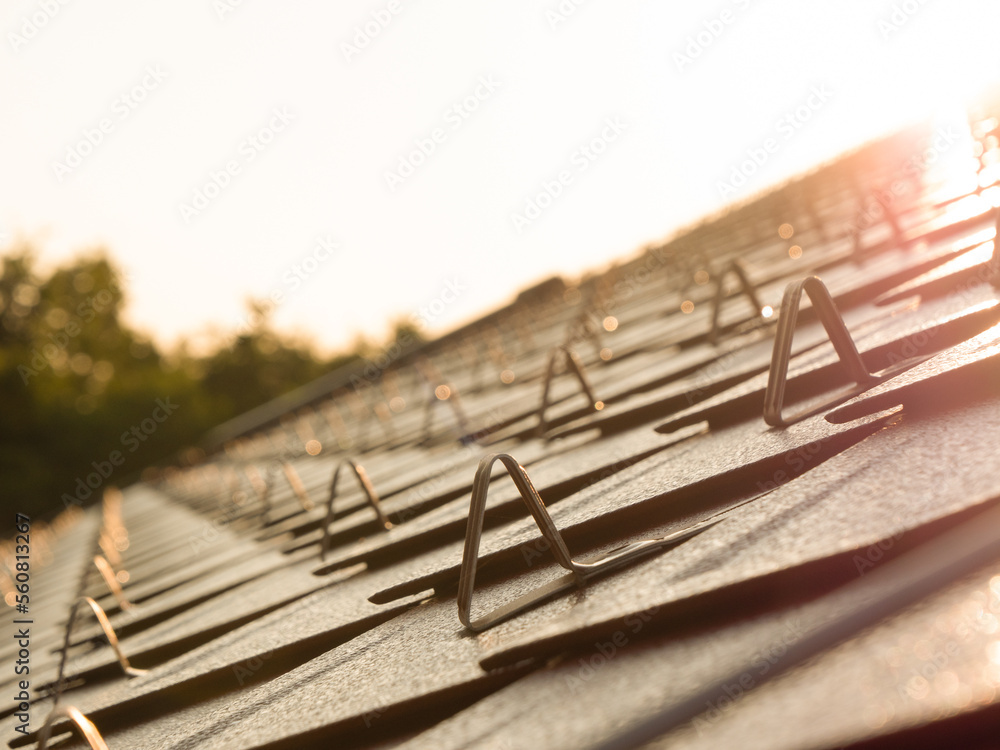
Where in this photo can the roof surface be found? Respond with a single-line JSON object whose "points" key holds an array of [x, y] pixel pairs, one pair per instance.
{"points": [[826, 581]]}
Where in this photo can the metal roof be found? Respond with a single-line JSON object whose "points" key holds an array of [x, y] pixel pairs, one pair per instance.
{"points": [[828, 577]]}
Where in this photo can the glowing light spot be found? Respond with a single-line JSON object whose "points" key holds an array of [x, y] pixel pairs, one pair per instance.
{"points": [[103, 371], [313, 447], [26, 294], [985, 126], [946, 683], [687, 307], [993, 652], [785, 231], [122, 576], [397, 404], [701, 277], [442, 392], [507, 377], [989, 175], [9, 598], [989, 624], [80, 363], [992, 196], [875, 716], [795, 252], [918, 688], [606, 354], [610, 323], [83, 282], [922, 650], [966, 208], [767, 311], [56, 317], [894, 656], [598, 405]]}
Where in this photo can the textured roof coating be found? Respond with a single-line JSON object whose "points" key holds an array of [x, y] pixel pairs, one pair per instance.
{"points": [[251, 641]]}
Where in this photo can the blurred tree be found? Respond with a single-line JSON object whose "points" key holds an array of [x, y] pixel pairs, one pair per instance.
{"points": [[406, 333], [259, 366], [88, 401], [74, 382]]}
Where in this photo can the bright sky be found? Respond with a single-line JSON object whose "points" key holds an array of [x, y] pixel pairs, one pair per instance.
{"points": [[236, 142]]}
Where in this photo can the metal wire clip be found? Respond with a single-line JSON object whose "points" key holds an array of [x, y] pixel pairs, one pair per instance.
{"points": [[84, 725], [746, 286], [109, 633], [572, 362], [580, 571], [297, 487], [366, 487], [840, 337]]}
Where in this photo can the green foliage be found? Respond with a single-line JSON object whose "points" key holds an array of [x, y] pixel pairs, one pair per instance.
{"points": [[83, 395]]}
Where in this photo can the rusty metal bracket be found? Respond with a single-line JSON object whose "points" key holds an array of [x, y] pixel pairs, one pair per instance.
{"points": [[994, 264], [111, 579], [840, 337], [448, 393], [370, 494], [584, 328], [747, 288], [580, 571], [109, 633], [84, 725], [573, 363], [261, 487], [297, 487], [842, 342]]}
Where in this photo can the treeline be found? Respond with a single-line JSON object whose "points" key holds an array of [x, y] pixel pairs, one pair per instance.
{"points": [[88, 401]]}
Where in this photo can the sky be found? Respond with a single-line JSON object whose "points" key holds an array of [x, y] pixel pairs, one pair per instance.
{"points": [[361, 161]]}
